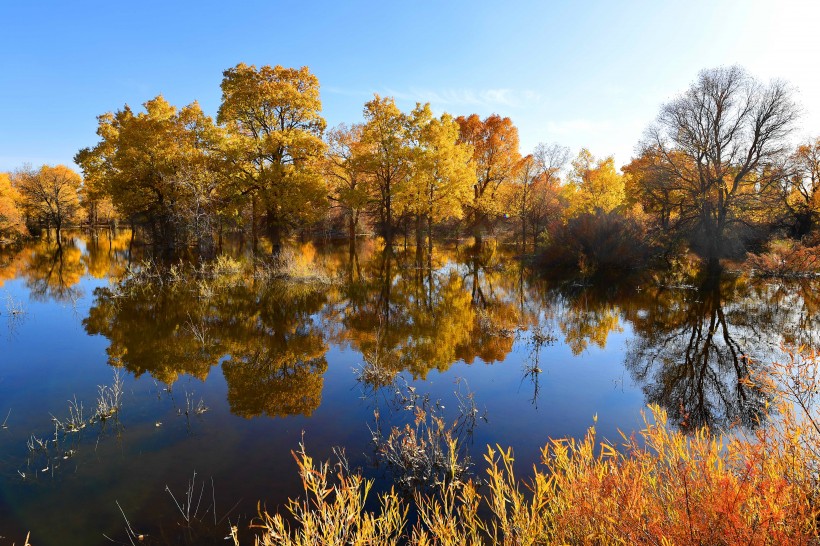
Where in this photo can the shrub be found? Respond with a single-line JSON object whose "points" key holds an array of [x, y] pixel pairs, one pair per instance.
{"points": [[785, 259], [596, 242]]}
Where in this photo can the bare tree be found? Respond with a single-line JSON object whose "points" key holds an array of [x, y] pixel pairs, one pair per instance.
{"points": [[722, 145]]}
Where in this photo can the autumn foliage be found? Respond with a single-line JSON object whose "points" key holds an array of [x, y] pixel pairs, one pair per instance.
{"points": [[657, 487], [11, 220]]}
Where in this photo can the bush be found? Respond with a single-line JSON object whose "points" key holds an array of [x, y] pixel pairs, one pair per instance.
{"points": [[784, 259], [596, 242]]}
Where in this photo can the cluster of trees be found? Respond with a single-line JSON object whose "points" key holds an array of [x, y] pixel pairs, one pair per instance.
{"points": [[30, 200], [268, 164], [716, 173], [717, 168]]}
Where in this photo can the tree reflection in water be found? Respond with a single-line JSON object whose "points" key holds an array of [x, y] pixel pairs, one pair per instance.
{"points": [[425, 310], [53, 271], [697, 353], [275, 352], [694, 351]]}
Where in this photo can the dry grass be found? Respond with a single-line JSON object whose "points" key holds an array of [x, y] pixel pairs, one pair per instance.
{"points": [[299, 264], [332, 511], [784, 259], [657, 487]]}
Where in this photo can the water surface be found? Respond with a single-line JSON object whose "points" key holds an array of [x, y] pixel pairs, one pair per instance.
{"points": [[224, 375]]}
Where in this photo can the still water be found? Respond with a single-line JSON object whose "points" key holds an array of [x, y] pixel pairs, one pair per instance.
{"points": [[223, 370]]}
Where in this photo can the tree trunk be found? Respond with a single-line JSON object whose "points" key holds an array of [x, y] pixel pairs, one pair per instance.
{"points": [[478, 236], [351, 228], [388, 220], [254, 234], [274, 233], [429, 237]]}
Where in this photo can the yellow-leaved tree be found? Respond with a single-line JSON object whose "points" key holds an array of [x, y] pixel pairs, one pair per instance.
{"points": [[442, 175], [594, 184], [157, 168], [275, 147], [387, 158], [11, 221], [49, 196], [347, 178]]}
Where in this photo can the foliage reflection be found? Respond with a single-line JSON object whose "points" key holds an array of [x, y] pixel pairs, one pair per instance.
{"points": [[694, 343]]}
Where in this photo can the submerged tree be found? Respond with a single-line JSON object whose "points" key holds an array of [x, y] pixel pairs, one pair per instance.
{"points": [[496, 157], [50, 196], [273, 117], [11, 219], [720, 147], [157, 167]]}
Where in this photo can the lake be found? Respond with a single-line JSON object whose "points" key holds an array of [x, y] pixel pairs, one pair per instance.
{"points": [[220, 371]]}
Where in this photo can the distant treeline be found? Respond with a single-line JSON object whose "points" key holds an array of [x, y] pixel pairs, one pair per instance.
{"points": [[716, 173]]}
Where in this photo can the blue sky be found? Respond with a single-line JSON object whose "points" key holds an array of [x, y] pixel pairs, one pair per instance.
{"points": [[590, 74]]}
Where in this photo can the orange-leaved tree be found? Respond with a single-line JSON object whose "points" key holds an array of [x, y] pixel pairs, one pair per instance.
{"points": [[495, 158], [11, 220]]}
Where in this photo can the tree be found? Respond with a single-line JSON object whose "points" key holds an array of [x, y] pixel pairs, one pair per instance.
{"points": [[273, 116], [520, 195], [49, 196], [721, 146], [11, 220], [387, 156], [547, 204], [800, 188], [441, 174], [594, 184], [495, 157], [98, 207], [648, 184], [345, 171], [534, 197], [157, 166]]}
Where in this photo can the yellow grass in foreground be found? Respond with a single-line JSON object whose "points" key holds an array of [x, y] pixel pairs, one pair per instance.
{"points": [[660, 487]]}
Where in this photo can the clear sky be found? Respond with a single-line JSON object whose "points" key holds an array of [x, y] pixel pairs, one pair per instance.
{"points": [[590, 74]]}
